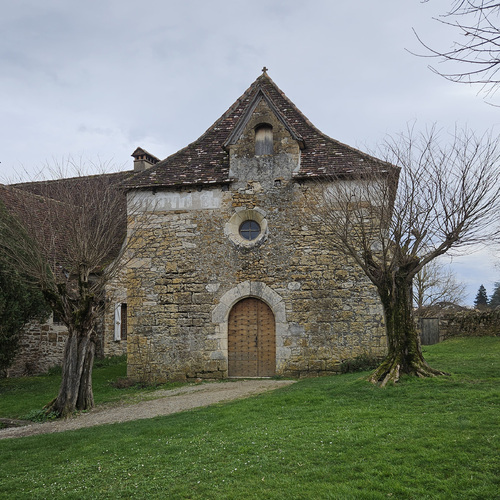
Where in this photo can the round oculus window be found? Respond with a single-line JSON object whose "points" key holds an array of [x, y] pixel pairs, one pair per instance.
{"points": [[249, 229]]}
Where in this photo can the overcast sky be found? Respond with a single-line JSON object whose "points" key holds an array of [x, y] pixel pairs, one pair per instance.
{"points": [[96, 79]]}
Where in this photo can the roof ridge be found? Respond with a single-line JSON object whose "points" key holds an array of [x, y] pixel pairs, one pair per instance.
{"points": [[74, 178], [26, 193]]}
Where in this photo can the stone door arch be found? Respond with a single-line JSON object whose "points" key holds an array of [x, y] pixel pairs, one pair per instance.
{"points": [[258, 290], [251, 339]]}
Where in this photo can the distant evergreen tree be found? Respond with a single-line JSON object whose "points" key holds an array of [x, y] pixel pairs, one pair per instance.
{"points": [[481, 300], [495, 296]]}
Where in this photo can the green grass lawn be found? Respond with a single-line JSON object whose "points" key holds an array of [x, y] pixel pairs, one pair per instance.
{"points": [[324, 438], [20, 396]]}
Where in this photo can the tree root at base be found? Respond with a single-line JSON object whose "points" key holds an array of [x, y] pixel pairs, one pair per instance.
{"points": [[390, 371]]}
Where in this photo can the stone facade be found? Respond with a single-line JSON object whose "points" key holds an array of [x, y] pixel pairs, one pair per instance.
{"points": [[41, 345], [262, 163], [179, 299]]}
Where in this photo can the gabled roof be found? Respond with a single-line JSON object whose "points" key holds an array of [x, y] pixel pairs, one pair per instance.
{"points": [[206, 160], [245, 118]]}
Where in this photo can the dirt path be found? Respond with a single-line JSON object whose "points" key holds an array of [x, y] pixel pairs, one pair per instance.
{"points": [[167, 402]]}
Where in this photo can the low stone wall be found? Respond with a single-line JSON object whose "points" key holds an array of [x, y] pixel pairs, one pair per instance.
{"points": [[41, 347], [471, 323]]}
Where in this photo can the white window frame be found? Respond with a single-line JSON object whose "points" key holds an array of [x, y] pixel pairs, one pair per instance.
{"points": [[118, 322]]}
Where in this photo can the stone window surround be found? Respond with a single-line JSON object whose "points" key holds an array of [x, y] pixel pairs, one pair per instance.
{"points": [[232, 227], [259, 290]]}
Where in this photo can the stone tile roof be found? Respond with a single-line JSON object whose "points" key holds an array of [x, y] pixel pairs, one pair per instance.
{"points": [[40, 207], [58, 188], [74, 190], [206, 161], [24, 206], [33, 213]]}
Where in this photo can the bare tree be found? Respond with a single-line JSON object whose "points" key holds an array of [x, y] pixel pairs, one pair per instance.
{"points": [[475, 54], [70, 239], [436, 283], [393, 221]]}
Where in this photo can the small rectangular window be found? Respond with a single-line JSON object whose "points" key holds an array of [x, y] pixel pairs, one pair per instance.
{"points": [[56, 318], [124, 322], [264, 140]]}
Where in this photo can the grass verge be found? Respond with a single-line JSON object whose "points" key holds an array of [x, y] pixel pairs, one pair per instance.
{"points": [[26, 396], [326, 438]]}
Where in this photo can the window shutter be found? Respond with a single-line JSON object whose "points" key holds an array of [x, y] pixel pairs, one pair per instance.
{"points": [[118, 322], [264, 140]]}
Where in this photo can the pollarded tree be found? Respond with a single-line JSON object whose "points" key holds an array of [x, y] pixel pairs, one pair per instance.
{"points": [[69, 238], [475, 55], [393, 221], [481, 300]]}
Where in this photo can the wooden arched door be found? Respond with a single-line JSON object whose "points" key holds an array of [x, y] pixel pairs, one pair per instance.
{"points": [[251, 339]]}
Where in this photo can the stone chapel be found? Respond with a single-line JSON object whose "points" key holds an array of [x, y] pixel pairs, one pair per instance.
{"points": [[235, 281]]}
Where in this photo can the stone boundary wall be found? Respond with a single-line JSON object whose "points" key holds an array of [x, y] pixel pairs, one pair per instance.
{"points": [[472, 323], [41, 347]]}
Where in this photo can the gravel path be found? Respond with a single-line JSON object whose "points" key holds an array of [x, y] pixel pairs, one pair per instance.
{"points": [[167, 402]]}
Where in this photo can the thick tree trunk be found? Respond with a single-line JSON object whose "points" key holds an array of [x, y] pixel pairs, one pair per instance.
{"points": [[78, 311], [404, 351], [75, 392]]}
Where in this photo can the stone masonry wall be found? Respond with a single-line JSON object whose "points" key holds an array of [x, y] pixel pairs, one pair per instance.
{"points": [[42, 344], [470, 323], [41, 347], [330, 311]]}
